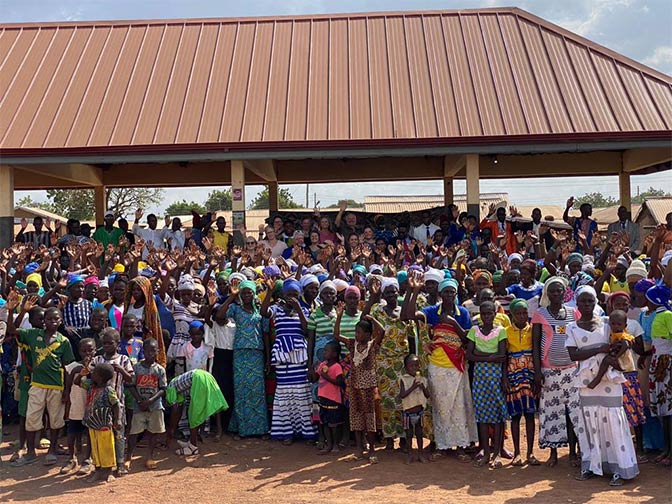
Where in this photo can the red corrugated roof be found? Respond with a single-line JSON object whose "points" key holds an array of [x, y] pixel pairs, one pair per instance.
{"points": [[355, 79]]}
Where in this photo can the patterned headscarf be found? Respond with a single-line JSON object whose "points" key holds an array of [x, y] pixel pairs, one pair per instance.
{"points": [[544, 301], [151, 319], [483, 273]]}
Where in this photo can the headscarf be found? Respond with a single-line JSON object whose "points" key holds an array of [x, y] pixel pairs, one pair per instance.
{"points": [[34, 277], [248, 284], [387, 282], [196, 324], [529, 265], [224, 274], [308, 280], [375, 267], [448, 282], [354, 290], [92, 280], [433, 274], [271, 271], [119, 268], [200, 288], [237, 276], [358, 268], [614, 296], [402, 276], [544, 301], [659, 295], [497, 276], [104, 283], [517, 303], [636, 269], [186, 282], [483, 273], [585, 289], [340, 284], [644, 284], [291, 285], [327, 284], [574, 257], [31, 267], [623, 261], [514, 256], [72, 280], [150, 318]]}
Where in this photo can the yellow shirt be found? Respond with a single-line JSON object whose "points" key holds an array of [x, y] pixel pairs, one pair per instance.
{"points": [[616, 286], [517, 339], [220, 240], [501, 319]]}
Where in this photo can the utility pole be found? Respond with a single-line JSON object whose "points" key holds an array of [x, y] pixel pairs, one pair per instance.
{"points": [[307, 195]]}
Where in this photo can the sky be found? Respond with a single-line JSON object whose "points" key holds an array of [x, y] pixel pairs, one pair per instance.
{"points": [[641, 30]]}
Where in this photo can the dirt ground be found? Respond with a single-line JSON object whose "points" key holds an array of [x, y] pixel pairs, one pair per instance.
{"points": [[267, 472]]}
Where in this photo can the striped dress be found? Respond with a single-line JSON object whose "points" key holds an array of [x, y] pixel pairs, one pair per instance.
{"points": [[289, 354]]}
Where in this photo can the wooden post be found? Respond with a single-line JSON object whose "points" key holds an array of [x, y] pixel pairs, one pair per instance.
{"points": [[6, 205], [100, 199], [473, 186], [624, 190], [272, 197], [448, 195]]}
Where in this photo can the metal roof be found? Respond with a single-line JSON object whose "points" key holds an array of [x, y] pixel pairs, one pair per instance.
{"points": [[413, 203], [657, 207], [318, 81]]}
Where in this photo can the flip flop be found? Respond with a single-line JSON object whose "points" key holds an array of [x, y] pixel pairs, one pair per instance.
{"points": [[496, 463], [464, 458], [517, 461], [532, 460], [23, 461], [187, 450], [50, 459], [151, 464], [373, 460]]}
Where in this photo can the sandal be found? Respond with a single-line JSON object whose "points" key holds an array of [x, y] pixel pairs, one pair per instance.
{"points": [[585, 475], [187, 450], [69, 466], [496, 463], [480, 462], [151, 464], [517, 461], [50, 459], [464, 458], [86, 468], [16, 456], [642, 459], [666, 462], [616, 481], [373, 459], [532, 460], [23, 461]]}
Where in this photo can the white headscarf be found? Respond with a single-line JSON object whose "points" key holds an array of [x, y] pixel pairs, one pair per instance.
{"points": [[544, 301], [186, 282]]}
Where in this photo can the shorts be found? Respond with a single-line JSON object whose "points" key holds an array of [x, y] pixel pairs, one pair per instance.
{"points": [[411, 420], [102, 447], [150, 421], [40, 399], [76, 427], [22, 391], [332, 413]]}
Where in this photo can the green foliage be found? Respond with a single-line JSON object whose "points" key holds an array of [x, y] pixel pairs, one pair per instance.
{"points": [[650, 193], [80, 203], [28, 201], [218, 200], [351, 204], [285, 200], [596, 199], [184, 207]]}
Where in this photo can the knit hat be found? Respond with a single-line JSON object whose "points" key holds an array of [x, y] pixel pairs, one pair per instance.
{"points": [[637, 270]]}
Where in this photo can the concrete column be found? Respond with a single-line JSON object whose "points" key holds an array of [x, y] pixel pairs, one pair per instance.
{"points": [[448, 190], [6, 205], [100, 199], [624, 190], [238, 194], [272, 197], [473, 186]]}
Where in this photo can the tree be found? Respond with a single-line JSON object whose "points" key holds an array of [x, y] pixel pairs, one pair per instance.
{"points": [[596, 199], [351, 204], [184, 207], [650, 193], [218, 200], [122, 201], [285, 200], [28, 201]]}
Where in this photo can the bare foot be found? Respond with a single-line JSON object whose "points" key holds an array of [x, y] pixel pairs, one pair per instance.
{"points": [[552, 461], [324, 451], [422, 459], [574, 461], [335, 449]]}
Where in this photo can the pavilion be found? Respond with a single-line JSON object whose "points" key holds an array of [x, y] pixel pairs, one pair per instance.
{"points": [[488, 93]]}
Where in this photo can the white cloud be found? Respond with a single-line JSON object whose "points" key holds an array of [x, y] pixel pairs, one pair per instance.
{"points": [[660, 58]]}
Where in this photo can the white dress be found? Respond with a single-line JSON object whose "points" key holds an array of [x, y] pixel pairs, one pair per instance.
{"points": [[604, 437]]}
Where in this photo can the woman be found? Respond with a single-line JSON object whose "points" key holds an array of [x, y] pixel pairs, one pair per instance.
{"points": [[452, 408], [292, 402], [141, 303], [554, 371], [271, 242], [326, 232], [314, 247], [185, 311], [602, 428], [390, 358], [250, 359]]}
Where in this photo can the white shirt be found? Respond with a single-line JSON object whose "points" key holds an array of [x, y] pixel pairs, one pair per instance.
{"points": [[77, 396], [149, 235], [277, 249], [220, 336], [422, 231], [174, 239]]}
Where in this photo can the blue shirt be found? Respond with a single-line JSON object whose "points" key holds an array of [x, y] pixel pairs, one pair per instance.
{"points": [[461, 315], [525, 292]]}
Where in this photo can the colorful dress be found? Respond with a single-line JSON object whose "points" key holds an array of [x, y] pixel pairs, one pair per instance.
{"points": [[99, 418], [249, 408], [390, 368], [660, 381], [292, 404], [520, 399], [487, 391]]}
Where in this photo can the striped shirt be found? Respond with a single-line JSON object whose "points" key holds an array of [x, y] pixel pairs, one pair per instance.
{"points": [[290, 345], [35, 238], [553, 336], [348, 324], [77, 314], [323, 324]]}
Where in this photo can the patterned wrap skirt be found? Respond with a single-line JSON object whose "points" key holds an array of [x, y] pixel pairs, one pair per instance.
{"points": [[633, 403], [487, 393], [520, 399], [559, 398], [660, 383]]}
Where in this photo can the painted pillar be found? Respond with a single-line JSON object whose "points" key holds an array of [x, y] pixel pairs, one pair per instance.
{"points": [[238, 194], [100, 199], [448, 190], [624, 190], [272, 197], [473, 186], [6, 205]]}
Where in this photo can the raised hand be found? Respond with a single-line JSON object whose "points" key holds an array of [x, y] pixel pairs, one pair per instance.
{"points": [[29, 302], [570, 202], [12, 300]]}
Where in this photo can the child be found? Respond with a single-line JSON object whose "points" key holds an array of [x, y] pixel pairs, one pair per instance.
{"points": [[123, 373], [413, 393], [130, 345], [103, 418], [47, 382], [620, 341], [77, 405], [521, 400], [363, 380], [150, 387], [329, 395], [195, 354], [486, 347]]}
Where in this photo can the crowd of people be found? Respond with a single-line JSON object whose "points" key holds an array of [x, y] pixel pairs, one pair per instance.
{"points": [[437, 337]]}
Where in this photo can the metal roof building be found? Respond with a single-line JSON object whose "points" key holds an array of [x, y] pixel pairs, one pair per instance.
{"points": [[487, 93]]}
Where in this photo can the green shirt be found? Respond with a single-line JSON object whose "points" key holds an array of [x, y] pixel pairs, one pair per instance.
{"points": [[348, 324], [103, 236], [661, 327], [487, 343], [321, 323], [48, 360]]}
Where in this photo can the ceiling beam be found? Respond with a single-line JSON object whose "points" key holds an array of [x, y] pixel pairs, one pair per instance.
{"points": [[452, 165], [78, 175], [638, 159], [263, 168]]}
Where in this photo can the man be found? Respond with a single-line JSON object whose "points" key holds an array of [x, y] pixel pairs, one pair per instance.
{"points": [[426, 229], [584, 223], [123, 225], [624, 224], [220, 237], [346, 224], [306, 228], [174, 235], [150, 234], [500, 226], [37, 237], [535, 226], [108, 234], [74, 233]]}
